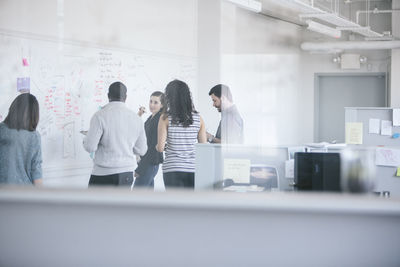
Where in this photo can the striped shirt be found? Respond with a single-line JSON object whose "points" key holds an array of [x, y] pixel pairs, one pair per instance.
{"points": [[180, 149]]}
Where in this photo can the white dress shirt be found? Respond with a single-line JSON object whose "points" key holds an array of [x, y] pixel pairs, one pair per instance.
{"points": [[116, 133]]}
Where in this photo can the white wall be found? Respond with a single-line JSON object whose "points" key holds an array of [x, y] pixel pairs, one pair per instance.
{"points": [[152, 25]]}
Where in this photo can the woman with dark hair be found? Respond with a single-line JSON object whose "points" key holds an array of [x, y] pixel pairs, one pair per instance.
{"points": [[179, 129], [20, 146], [148, 165]]}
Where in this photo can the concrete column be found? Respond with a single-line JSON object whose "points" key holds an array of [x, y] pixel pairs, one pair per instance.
{"points": [[209, 57], [395, 67]]}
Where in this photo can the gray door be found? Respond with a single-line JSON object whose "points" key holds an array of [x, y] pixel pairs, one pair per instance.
{"points": [[334, 92]]}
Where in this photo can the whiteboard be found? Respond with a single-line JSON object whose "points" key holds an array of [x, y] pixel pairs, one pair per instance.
{"points": [[71, 83]]}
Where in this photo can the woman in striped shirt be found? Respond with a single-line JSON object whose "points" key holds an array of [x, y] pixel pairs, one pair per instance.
{"points": [[179, 129]]}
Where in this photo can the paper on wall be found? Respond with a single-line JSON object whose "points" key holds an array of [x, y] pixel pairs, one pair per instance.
{"points": [[396, 117], [23, 84], [25, 62], [387, 157], [354, 133], [386, 127], [374, 126], [237, 169], [289, 168]]}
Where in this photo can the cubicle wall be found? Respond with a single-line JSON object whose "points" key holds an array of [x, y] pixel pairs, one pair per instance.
{"points": [[122, 228], [210, 160], [386, 175]]}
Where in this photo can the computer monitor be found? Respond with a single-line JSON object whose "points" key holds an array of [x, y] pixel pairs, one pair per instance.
{"points": [[264, 175], [317, 171]]}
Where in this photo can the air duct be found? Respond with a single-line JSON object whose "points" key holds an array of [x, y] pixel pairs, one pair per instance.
{"points": [[340, 46], [374, 11]]}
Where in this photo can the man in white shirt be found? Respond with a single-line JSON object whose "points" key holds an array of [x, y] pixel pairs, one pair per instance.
{"points": [[230, 128], [116, 134]]}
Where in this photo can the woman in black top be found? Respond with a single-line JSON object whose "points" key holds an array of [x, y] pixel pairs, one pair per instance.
{"points": [[149, 163]]}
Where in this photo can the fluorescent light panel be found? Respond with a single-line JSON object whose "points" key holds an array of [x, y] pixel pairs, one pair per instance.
{"points": [[251, 5], [323, 29]]}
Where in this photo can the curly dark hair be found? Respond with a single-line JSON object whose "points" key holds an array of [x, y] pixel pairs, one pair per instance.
{"points": [[179, 103]]}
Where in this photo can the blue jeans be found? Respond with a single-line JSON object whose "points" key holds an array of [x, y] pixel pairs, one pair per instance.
{"points": [[147, 178]]}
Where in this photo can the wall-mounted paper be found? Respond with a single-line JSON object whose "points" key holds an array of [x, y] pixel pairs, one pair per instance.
{"points": [[396, 117], [354, 133], [387, 157], [289, 168], [23, 84], [237, 169], [374, 126], [386, 127]]}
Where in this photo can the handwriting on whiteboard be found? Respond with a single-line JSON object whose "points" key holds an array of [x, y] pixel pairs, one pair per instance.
{"points": [[69, 140], [72, 84]]}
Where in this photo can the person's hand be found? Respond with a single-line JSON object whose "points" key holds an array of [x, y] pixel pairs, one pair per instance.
{"points": [[141, 111], [136, 174], [210, 137]]}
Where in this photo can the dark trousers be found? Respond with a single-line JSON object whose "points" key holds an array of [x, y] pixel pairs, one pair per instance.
{"points": [[179, 179], [147, 178], [118, 179]]}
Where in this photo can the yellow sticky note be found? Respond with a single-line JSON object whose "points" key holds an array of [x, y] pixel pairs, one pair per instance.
{"points": [[237, 169], [354, 133], [398, 172]]}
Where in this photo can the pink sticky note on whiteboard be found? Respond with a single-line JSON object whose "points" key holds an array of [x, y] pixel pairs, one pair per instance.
{"points": [[25, 62]]}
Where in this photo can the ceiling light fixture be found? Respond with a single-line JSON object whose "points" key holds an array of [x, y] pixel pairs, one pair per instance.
{"points": [[336, 59], [323, 29], [251, 5], [363, 59]]}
